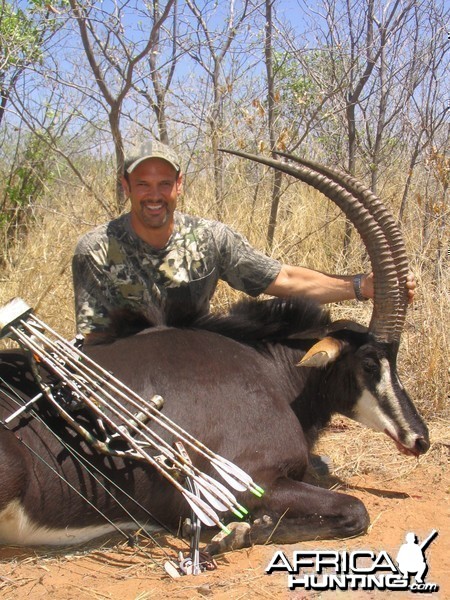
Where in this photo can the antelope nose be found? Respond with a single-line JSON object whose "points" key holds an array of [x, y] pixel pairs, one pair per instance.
{"points": [[422, 445]]}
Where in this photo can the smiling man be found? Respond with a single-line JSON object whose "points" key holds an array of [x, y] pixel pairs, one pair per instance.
{"points": [[155, 255], [153, 187]]}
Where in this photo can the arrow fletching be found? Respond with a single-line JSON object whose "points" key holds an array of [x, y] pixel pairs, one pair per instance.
{"points": [[204, 512]]}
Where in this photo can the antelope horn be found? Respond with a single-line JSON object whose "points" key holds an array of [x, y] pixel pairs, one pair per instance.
{"points": [[377, 229], [386, 220]]}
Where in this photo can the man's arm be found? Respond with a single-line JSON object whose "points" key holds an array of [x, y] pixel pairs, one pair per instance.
{"points": [[91, 289], [300, 281]]}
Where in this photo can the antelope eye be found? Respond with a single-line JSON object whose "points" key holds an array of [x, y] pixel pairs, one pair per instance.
{"points": [[371, 366]]}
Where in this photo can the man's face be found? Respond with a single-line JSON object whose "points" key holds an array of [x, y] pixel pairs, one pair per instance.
{"points": [[153, 188]]}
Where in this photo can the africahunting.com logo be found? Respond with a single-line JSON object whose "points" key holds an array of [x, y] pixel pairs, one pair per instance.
{"points": [[360, 569]]}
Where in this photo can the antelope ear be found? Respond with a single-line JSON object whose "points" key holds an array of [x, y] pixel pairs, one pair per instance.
{"points": [[322, 353]]}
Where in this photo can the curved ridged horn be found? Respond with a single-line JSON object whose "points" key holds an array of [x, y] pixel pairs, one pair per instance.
{"points": [[378, 232], [383, 217]]}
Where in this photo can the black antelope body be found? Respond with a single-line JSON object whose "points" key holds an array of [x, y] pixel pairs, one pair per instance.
{"points": [[254, 386]]}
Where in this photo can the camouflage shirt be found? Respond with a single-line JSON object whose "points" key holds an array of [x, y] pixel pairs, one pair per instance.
{"points": [[114, 268]]}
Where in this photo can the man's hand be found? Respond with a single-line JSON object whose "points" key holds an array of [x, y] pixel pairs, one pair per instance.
{"points": [[367, 286], [411, 287]]}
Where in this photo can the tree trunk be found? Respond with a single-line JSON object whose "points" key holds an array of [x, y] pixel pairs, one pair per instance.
{"points": [[271, 118]]}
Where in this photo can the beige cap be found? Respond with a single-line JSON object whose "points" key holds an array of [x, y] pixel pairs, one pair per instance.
{"points": [[153, 149]]}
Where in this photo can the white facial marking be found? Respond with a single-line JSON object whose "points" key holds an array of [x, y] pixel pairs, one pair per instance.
{"points": [[369, 412], [17, 528]]}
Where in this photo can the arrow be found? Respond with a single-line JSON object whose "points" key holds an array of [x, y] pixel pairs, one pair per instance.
{"points": [[236, 477], [94, 382]]}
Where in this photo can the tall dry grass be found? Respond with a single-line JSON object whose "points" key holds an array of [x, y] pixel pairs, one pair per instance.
{"points": [[309, 233]]}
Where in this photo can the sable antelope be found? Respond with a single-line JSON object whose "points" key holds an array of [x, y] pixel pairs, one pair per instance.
{"points": [[254, 386]]}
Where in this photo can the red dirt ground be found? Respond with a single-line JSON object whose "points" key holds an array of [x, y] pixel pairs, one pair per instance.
{"points": [[401, 495]]}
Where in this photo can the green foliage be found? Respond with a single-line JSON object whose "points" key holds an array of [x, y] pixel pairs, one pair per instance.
{"points": [[27, 183], [297, 89], [28, 179], [23, 32], [20, 36], [307, 98]]}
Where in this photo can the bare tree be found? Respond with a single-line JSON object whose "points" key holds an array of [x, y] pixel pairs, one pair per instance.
{"points": [[24, 35], [271, 119], [218, 44], [379, 30], [425, 113], [50, 127], [358, 37], [161, 72], [113, 59]]}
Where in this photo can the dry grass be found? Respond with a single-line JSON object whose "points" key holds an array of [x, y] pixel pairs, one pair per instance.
{"points": [[355, 451], [39, 267], [309, 233]]}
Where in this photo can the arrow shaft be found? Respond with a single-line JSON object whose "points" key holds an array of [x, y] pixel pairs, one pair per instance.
{"points": [[210, 488], [234, 472]]}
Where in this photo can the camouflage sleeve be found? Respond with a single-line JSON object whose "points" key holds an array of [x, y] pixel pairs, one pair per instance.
{"points": [[91, 288], [242, 266]]}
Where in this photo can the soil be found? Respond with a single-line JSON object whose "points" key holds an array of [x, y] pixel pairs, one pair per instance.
{"points": [[401, 495]]}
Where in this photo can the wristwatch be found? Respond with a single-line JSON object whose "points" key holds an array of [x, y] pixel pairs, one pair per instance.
{"points": [[357, 279]]}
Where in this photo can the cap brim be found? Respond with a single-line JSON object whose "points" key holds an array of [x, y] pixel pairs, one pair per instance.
{"points": [[137, 162]]}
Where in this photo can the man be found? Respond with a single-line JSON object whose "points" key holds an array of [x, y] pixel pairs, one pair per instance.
{"points": [[154, 255]]}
